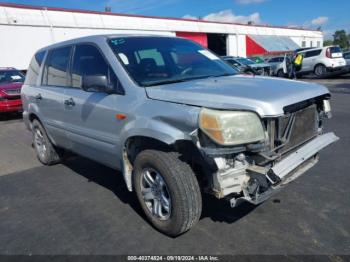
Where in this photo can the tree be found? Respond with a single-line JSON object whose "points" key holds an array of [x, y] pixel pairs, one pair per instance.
{"points": [[341, 38], [327, 42]]}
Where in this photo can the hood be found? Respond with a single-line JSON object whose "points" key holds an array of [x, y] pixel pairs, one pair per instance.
{"points": [[260, 65], [9, 86], [265, 95]]}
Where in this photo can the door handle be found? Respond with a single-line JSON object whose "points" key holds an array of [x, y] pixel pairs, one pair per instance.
{"points": [[69, 102], [38, 97]]}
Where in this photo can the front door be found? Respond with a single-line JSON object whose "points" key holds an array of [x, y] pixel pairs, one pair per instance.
{"points": [[91, 124]]}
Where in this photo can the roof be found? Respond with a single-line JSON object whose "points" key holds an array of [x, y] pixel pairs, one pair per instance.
{"points": [[275, 43], [140, 16], [95, 38]]}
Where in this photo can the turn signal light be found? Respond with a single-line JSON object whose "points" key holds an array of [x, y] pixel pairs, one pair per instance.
{"points": [[120, 116]]}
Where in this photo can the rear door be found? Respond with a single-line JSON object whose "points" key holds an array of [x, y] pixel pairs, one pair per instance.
{"points": [[50, 94], [90, 116], [310, 60]]}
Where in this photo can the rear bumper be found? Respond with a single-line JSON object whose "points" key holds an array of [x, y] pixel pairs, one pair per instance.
{"points": [[337, 68], [290, 168], [10, 106]]}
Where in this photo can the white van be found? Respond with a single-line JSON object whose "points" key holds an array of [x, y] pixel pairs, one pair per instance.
{"points": [[322, 60]]}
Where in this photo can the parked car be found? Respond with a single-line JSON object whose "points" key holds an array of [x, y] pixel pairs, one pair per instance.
{"points": [[257, 59], [276, 64], [175, 119], [248, 66], [346, 56], [321, 61], [11, 81]]}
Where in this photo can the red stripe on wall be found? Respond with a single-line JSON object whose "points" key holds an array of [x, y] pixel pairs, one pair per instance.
{"points": [[253, 48], [200, 38]]}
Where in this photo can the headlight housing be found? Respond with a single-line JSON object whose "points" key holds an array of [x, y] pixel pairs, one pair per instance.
{"points": [[231, 127]]}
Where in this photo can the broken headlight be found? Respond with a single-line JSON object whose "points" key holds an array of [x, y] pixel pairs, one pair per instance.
{"points": [[231, 127]]}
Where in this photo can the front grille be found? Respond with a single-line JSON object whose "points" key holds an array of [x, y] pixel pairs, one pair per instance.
{"points": [[13, 97], [295, 128], [12, 91]]}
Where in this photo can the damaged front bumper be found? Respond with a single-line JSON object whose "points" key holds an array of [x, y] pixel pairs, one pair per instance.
{"points": [[284, 171]]}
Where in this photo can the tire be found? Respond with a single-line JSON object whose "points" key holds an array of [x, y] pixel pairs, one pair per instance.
{"points": [[280, 73], [179, 186], [320, 70], [44, 149]]}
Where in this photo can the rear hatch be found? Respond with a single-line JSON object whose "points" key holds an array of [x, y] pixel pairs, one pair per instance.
{"points": [[335, 53]]}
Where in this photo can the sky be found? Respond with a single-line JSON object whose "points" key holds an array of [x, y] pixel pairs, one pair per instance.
{"points": [[330, 15]]}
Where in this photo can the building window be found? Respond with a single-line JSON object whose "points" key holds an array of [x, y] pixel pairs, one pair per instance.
{"points": [[318, 43], [311, 44], [303, 44]]}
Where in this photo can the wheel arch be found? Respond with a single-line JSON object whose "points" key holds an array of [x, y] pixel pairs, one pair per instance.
{"points": [[318, 64], [135, 144]]}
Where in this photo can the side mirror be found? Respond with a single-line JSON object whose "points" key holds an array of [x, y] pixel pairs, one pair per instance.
{"points": [[96, 83]]}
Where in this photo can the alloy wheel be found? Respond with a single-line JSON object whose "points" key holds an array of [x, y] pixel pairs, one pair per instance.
{"points": [[155, 194], [40, 143]]}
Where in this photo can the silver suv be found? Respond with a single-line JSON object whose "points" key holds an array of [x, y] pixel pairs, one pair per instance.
{"points": [[175, 119], [321, 61]]}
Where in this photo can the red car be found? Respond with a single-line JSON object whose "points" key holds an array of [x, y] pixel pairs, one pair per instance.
{"points": [[11, 81]]}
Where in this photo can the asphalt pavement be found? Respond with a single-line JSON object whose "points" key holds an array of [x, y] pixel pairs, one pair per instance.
{"points": [[81, 207]]}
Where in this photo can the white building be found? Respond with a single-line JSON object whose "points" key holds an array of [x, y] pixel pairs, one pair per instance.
{"points": [[25, 29]]}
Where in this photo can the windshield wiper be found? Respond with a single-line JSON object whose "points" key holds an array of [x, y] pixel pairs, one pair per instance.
{"points": [[163, 82], [226, 74], [178, 80], [171, 81]]}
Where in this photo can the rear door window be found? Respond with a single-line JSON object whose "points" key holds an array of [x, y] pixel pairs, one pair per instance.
{"points": [[313, 53], [56, 67]]}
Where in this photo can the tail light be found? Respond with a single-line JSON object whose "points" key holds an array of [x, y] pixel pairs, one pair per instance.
{"points": [[328, 53]]}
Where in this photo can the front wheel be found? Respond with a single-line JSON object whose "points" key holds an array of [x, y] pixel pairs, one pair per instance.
{"points": [[280, 73], [167, 190]]}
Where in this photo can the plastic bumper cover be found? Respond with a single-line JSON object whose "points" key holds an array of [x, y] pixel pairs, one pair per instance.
{"points": [[291, 167]]}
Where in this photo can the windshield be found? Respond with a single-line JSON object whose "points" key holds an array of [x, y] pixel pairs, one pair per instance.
{"points": [[154, 61], [11, 76], [245, 61]]}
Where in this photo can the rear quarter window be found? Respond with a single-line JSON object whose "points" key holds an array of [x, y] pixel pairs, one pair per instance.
{"points": [[34, 68]]}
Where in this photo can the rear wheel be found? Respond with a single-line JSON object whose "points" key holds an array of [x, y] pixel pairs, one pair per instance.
{"points": [[45, 150], [320, 70], [167, 190]]}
